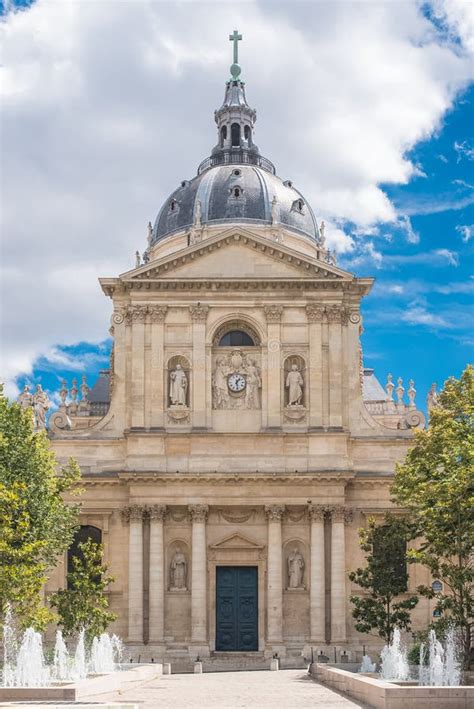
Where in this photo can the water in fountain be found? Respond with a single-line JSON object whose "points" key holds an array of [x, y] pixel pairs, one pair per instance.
{"points": [[102, 655], [442, 668], [10, 650], [117, 645], [79, 666], [31, 670], [367, 664], [61, 669], [394, 662]]}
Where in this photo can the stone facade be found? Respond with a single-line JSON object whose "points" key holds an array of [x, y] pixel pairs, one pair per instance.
{"points": [[260, 454]]}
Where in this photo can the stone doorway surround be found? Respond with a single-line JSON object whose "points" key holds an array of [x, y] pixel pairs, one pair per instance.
{"points": [[236, 550]]}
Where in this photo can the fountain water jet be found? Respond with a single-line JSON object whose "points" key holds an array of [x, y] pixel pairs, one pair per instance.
{"points": [[61, 664], [442, 668], [394, 661], [367, 664]]}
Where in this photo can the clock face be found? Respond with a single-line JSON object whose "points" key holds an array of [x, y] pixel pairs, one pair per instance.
{"points": [[236, 383]]}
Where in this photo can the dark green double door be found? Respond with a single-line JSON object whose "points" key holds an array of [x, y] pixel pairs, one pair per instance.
{"points": [[236, 608]]}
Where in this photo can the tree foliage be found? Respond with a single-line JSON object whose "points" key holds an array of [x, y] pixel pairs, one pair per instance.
{"points": [[384, 578], [84, 604], [435, 484], [36, 525]]}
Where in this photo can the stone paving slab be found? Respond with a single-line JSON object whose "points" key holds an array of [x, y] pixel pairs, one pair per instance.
{"points": [[286, 689]]}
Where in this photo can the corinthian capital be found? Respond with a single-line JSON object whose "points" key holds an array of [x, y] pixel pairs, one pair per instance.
{"points": [[199, 312], [314, 312], [317, 512], [274, 512], [273, 312], [157, 312], [157, 512], [132, 513], [340, 513], [198, 512]]}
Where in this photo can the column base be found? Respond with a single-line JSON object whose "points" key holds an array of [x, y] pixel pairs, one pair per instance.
{"points": [[272, 648], [198, 649]]}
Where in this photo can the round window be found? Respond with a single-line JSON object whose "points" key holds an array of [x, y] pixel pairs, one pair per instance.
{"points": [[237, 173]]}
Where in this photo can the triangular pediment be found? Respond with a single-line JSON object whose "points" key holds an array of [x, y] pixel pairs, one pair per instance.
{"points": [[235, 255], [236, 541]]}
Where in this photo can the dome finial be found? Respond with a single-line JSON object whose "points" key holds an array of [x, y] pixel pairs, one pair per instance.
{"points": [[235, 69]]}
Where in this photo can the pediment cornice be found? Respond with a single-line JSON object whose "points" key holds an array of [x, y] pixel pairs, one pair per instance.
{"points": [[168, 273]]}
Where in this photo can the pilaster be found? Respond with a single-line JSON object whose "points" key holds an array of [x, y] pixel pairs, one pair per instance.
{"points": [[157, 515], [156, 384], [315, 315], [199, 316], [340, 516], [274, 515], [273, 315], [133, 516], [317, 582], [199, 575]]}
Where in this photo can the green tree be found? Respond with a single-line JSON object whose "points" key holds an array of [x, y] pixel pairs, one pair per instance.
{"points": [[84, 604], [435, 484], [36, 524], [384, 578]]}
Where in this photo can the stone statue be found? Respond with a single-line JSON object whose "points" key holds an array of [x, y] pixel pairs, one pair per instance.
{"points": [[274, 210], [433, 401], [41, 405], [137, 259], [254, 383], [178, 386], [149, 236], [178, 571], [26, 398], [294, 384], [219, 385], [295, 569], [197, 214], [322, 228]]}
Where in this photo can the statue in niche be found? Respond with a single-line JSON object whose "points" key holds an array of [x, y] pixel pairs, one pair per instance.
{"points": [[41, 405], [294, 384], [178, 571], [219, 385], [295, 569], [178, 386], [254, 383]]}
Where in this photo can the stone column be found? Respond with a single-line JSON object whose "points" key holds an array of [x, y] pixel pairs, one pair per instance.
{"points": [[340, 515], [199, 389], [317, 582], [274, 575], [156, 574], [335, 315], [273, 315], [157, 395], [138, 315], [134, 516], [199, 574], [315, 314]]}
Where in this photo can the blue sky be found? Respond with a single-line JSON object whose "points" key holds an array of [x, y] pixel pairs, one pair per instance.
{"points": [[97, 134]]}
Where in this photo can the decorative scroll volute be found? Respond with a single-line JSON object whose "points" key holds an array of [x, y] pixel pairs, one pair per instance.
{"points": [[340, 513], [317, 512], [199, 312], [157, 512], [273, 313], [133, 513]]}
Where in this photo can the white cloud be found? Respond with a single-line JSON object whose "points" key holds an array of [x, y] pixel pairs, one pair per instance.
{"points": [[107, 107], [464, 150], [466, 231], [405, 224], [419, 315], [459, 18]]}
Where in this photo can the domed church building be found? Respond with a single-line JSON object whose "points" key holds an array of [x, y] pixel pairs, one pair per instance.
{"points": [[236, 444]]}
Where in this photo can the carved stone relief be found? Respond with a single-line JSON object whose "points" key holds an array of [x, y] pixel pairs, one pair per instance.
{"points": [[236, 381]]}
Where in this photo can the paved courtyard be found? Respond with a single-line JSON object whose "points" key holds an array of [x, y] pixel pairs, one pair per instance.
{"points": [[235, 690]]}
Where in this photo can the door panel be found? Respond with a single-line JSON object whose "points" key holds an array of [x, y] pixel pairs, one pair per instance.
{"points": [[236, 608]]}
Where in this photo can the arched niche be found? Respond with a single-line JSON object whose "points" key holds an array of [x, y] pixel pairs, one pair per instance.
{"points": [[295, 565], [235, 135], [236, 326], [85, 533], [178, 566], [178, 387], [292, 365]]}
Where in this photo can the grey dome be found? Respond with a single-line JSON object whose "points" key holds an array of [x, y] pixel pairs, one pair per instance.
{"points": [[235, 193]]}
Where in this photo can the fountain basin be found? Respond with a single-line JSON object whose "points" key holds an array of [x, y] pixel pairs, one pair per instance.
{"points": [[382, 694], [93, 685]]}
